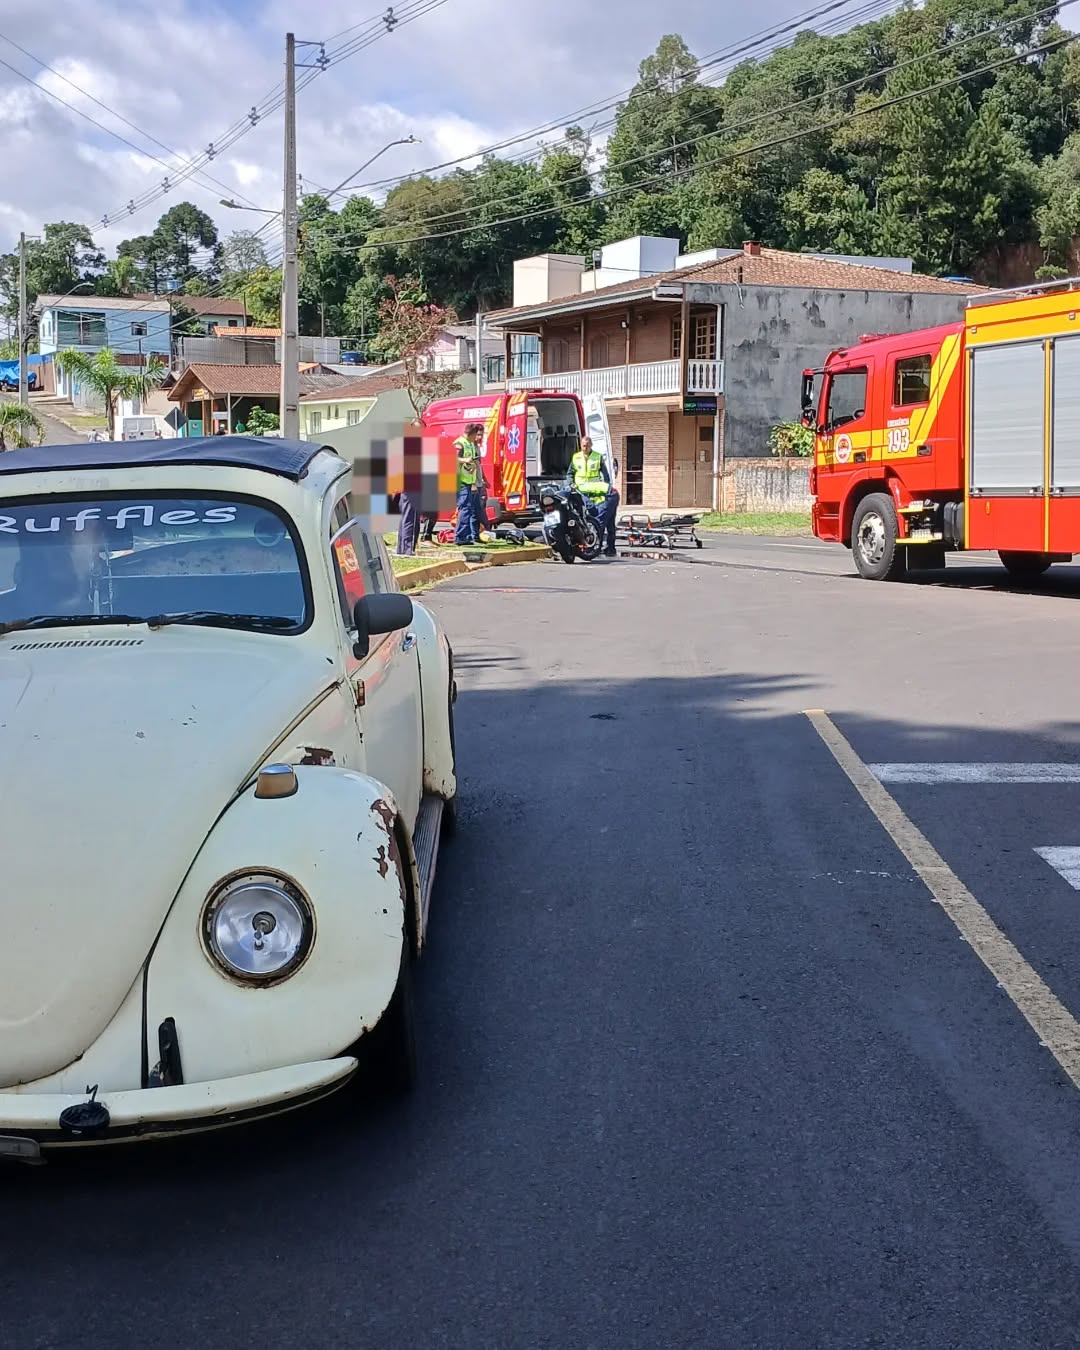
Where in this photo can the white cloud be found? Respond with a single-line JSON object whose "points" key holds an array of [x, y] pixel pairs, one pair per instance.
{"points": [[469, 73]]}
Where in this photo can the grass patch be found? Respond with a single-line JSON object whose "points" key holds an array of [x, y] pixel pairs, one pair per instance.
{"points": [[756, 522], [447, 553], [86, 421]]}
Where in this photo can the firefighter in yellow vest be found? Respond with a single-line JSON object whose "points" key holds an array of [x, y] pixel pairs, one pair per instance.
{"points": [[469, 474], [589, 474]]}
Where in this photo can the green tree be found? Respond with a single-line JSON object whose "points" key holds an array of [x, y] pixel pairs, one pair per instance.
{"points": [[261, 294], [19, 427], [242, 255], [109, 380], [260, 421], [667, 106], [1058, 216], [181, 232], [56, 263]]}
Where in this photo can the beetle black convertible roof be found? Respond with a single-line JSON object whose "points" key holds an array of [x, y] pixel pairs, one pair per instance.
{"points": [[287, 459]]}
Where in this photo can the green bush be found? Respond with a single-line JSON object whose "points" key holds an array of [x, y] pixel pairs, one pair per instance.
{"points": [[791, 438], [260, 421]]}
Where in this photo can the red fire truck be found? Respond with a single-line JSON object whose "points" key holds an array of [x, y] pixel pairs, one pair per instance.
{"points": [[529, 439], [960, 437]]}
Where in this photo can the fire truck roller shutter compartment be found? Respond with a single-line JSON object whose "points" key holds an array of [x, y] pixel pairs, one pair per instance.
{"points": [[1008, 447]]}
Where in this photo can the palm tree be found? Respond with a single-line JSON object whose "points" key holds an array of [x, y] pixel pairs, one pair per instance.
{"points": [[19, 427], [105, 376]]}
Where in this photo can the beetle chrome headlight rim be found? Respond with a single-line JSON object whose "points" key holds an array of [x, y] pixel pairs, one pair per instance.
{"points": [[258, 928]]}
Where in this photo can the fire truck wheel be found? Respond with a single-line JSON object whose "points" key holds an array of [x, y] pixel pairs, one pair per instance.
{"points": [[873, 539], [1024, 566]]}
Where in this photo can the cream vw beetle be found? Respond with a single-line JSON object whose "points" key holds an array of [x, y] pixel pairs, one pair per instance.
{"points": [[228, 759]]}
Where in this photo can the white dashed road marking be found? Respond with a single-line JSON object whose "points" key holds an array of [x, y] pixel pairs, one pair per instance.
{"points": [[1065, 861], [1056, 1027], [976, 773]]}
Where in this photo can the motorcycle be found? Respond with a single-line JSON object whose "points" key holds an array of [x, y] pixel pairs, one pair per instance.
{"points": [[569, 526]]}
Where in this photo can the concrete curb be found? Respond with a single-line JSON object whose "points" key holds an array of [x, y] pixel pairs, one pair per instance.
{"points": [[455, 567]]}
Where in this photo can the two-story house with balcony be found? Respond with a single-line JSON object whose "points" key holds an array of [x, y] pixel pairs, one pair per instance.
{"points": [[754, 319]]}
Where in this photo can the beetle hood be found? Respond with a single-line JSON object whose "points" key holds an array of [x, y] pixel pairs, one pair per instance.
{"points": [[120, 748]]}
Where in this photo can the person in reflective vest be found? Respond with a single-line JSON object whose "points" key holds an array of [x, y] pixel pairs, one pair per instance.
{"points": [[589, 474], [468, 484]]}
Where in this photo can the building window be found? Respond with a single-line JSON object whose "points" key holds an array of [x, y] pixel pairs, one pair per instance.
{"points": [[352, 417], [315, 419], [911, 385], [558, 356], [702, 337], [75, 328], [524, 357], [138, 330]]}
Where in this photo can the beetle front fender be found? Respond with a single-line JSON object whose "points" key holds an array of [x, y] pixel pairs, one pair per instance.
{"points": [[334, 840]]}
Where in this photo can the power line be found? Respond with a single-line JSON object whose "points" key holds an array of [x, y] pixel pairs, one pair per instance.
{"points": [[111, 111], [728, 128], [743, 152], [178, 174], [712, 58]]}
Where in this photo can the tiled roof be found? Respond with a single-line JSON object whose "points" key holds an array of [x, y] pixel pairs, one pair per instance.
{"points": [[369, 387], [768, 267], [221, 380]]}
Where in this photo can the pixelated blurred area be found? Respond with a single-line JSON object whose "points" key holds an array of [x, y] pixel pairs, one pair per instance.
{"points": [[404, 459]]}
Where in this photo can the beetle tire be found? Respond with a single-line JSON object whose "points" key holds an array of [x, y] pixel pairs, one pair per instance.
{"points": [[873, 540], [1024, 566]]}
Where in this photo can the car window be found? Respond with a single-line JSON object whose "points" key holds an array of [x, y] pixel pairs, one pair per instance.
{"points": [[146, 556], [911, 381]]}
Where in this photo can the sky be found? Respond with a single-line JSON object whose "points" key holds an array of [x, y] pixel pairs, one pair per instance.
{"points": [[460, 77]]}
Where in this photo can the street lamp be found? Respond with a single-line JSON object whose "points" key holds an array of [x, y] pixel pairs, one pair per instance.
{"points": [[236, 206], [406, 140]]}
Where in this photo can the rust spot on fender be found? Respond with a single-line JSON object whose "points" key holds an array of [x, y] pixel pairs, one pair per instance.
{"points": [[385, 815], [381, 862]]}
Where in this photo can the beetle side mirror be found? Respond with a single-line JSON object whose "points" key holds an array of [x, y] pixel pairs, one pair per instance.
{"points": [[374, 614]]}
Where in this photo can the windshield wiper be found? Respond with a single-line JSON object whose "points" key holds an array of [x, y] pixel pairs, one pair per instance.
{"points": [[219, 619], [66, 620]]}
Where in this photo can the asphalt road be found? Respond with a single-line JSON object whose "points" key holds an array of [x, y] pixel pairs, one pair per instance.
{"points": [[55, 432], [703, 1064]]}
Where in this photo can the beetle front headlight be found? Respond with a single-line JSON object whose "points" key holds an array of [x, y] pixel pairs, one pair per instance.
{"points": [[258, 927]]}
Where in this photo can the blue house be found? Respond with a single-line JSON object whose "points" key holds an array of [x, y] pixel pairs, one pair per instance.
{"points": [[135, 329]]}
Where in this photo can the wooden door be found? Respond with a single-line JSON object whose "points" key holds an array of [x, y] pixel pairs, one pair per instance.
{"points": [[691, 462]]}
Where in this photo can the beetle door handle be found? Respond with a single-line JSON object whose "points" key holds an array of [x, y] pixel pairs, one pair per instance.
{"points": [[408, 642]]}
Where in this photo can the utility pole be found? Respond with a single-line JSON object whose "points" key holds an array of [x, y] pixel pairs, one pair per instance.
{"points": [[479, 351], [290, 303], [24, 397]]}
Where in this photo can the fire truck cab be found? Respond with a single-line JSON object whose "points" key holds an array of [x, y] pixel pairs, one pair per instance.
{"points": [[530, 437], [965, 436]]}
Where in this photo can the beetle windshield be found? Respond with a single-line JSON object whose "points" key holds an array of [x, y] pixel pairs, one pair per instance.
{"points": [[133, 558]]}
